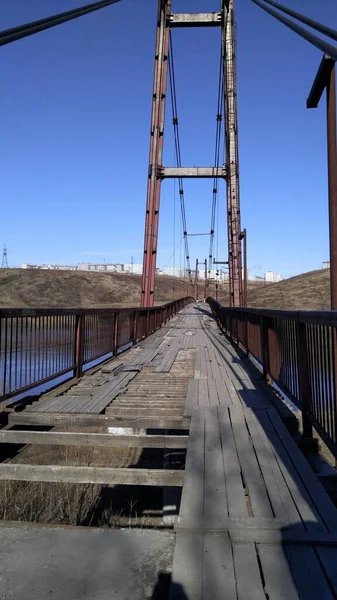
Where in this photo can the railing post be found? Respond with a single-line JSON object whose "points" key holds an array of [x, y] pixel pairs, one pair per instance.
{"points": [[246, 334], [135, 327], [147, 322], [264, 346], [115, 348], [79, 345], [303, 377]]}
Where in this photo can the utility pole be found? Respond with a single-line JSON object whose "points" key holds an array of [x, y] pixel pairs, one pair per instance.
{"points": [[206, 281], [229, 171], [196, 291], [4, 263], [131, 264]]}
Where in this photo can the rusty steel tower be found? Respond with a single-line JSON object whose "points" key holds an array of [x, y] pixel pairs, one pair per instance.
{"points": [[229, 171]]}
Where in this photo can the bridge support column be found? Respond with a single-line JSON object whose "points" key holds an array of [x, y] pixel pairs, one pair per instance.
{"points": [[232, 155], [156, 153]]}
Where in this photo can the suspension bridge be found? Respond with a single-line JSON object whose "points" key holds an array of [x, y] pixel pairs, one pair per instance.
{"points": [[217, 412]]}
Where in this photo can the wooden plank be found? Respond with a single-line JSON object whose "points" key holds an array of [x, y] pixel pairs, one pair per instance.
{"points": [[203, 398], [218, 569], [212, 393], [192, 396], [215, 493], [187, 568], [248, 577], [54, 419], [192, 501], [237, 505], [312, 500], [114, 367], [125, 411], [308, 576], [93, 439], [223, 393], [328, 558], [280, 497], [239, 524], [279, 583], [249, 465], [94, 475]]}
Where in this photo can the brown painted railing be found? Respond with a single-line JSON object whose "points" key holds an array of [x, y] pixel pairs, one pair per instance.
{"points": [[297, 350], [39, 345]]}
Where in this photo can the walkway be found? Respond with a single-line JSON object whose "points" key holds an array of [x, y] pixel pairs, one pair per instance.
{"points": [[254, 521]]}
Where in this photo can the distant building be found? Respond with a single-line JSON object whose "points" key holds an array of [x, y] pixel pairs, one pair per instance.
{"points": [[46, 267], [135, 268], [111, 267], [172, 271], [326, 264], [271, 277]]}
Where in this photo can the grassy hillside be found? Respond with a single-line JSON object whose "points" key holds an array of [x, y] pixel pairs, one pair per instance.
{"points": [[34, 288], [310, 291]]}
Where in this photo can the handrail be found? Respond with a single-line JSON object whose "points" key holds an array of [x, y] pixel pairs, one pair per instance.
{"points": [[298, 351], [38, 345]]}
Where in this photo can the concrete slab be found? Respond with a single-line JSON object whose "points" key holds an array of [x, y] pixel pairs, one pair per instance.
{"points": [[77, 564]]}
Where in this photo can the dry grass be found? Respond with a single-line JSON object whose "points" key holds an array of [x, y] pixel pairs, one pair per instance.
{"points": [[310, 291], [83, 504]]}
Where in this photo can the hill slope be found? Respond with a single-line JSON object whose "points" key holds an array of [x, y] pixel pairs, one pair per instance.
{"points": [[310, 291], [38, 288], [35, 288]]}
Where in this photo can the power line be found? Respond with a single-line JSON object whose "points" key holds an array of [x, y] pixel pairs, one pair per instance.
{"points": [[17, 33], [177, 152]]}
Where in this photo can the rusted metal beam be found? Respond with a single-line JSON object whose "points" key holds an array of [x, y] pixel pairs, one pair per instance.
{"points": [[156, 153], [195, 20], [243, 236], [325, 79], [321, 81], [232, 155], [189, 172]]}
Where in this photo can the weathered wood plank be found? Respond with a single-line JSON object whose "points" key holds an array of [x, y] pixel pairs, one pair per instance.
{"points": [[192, 396], [192, 501], [280, 497], [307, 573], [215, 493], [250, 469], [279, 583], [237, 505], [203, 397], [328, 558], [54, 419], [94, 475], [248, 577], [218, 569], [310, 498], [187, 572], [93, 439]]}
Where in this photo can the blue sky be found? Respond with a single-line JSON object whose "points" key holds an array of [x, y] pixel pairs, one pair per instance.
{"points": [[75, 116]]}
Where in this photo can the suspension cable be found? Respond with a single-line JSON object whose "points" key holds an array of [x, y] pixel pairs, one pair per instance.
{"points": [[17, 33], [216, 159], [178, 152]]}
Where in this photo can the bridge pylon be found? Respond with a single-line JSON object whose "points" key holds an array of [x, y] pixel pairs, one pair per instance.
{"points": [[157, 172]]}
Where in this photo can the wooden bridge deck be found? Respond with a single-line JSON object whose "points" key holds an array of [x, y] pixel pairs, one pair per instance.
{"points": [[254, 521]]}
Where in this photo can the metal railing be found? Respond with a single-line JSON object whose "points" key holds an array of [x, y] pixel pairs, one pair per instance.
{"points": [[297, 350], [39, 345]]}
